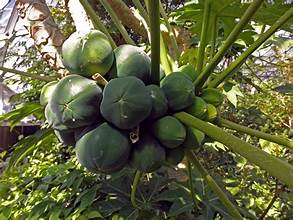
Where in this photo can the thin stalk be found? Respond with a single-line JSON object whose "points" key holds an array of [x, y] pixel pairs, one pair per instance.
{"points": [[203, 36], [136, 179], [170, 31], [241, 59], [164, 56], [228, 42], [141, 10], [189, 169], [270, 205], [214, 186], [154, 14], [273, 165], [256, 133], [214, 30], [117, 22], [26, 74], [98, 24]]}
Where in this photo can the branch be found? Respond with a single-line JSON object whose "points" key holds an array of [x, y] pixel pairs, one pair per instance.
{"points": [[256, 133], [214, 186], [18, 72], [241, 59], [228, 42], [273, 165]]}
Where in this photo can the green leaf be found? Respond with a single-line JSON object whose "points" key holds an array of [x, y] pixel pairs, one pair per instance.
{"points": [[28, 144], [94, 214], [15, 116]]}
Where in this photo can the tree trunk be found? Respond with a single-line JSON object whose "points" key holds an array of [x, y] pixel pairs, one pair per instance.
{"points": [[42, 28], [127, 17]]}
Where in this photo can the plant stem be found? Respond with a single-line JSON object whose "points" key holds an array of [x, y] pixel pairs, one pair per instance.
{"points": [[273, 165], [136, 179], [256, 133], [154, 14], [97, 21], [189, 169], [241, 59], [203, 36], [117, 22], [26, 74], [170, 31], [214, 186], [214, 30], [164, 56], [228, 42]]}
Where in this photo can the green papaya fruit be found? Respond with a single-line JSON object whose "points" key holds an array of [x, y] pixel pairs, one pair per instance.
{"points": [[126, 102], [104, 149], [198, 108], [213, 96], [65, 137], [53, 121], [179, 91], [75, 101], [88, 53], [212, 113], [131, 61], [174, 156], [189, 71], [169, 131], [46, 92], [194, 138], [148, 155], [159, 101]]}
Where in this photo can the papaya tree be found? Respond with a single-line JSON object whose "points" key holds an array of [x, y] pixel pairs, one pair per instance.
{"points": [[135, 118]]}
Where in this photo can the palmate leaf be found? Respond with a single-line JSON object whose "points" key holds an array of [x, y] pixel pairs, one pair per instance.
{"points": [[227, 11], [26, 145]]}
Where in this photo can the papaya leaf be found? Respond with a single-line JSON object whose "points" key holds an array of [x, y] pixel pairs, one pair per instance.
{"points": [[26, 145]]}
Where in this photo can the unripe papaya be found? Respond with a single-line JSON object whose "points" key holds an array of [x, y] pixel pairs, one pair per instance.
{"points": [[53, 121], [75, 101], [169, 131], [103, 149], [148, 155], [212, 96], [87, 54], [126, 102], [46, 92], [194, 138], [159, 101], [174, 156], [131, 61], [179, 91], [198, 108], [212, 113], [189, 71]]}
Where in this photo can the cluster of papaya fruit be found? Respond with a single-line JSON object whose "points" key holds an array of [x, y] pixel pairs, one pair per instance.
{"points": [[123, 119]]}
